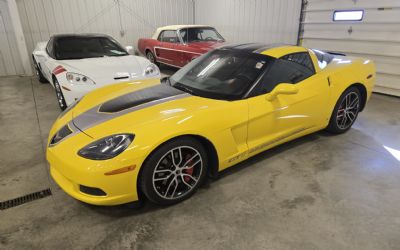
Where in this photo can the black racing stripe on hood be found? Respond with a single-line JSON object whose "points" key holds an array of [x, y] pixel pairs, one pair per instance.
{"points": [[138, 98]]}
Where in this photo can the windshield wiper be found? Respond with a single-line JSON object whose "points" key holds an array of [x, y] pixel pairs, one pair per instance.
{"points": [[184, 88], [166, 80]]}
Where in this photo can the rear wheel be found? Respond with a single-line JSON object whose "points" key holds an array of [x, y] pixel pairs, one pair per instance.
{"points": [[345, 112], [59, 95], [39, 74], [174, 171]]}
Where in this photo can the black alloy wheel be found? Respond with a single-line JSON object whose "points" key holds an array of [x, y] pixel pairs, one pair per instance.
{"points": [[346, 111], [174, 171], [59, 95]]}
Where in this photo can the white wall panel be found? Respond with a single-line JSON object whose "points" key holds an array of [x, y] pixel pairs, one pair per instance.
{"points": [[376, 37], [10, 62], [125, 20], [265, 21]]}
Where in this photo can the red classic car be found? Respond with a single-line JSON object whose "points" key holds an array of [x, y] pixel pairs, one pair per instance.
{"points": [[179, 44]]}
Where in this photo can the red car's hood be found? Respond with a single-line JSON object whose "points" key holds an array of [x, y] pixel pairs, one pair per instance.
{"points": [[206, 46]]}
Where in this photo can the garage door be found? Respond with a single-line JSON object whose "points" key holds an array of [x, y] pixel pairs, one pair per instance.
{"points": [[10, 63], [376, 36]]}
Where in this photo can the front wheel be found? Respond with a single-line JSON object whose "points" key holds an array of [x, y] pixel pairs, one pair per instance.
{"points": [[345, 112], [59, 95], [174, 171]]}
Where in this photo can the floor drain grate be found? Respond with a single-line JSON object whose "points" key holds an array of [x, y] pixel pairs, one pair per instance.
{"points": [[24, 199]]}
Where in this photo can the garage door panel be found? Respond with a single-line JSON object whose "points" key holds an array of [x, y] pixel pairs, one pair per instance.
{"points": [[370, 16], [354, 34], [347, 4], [360, 47], [376, 37], [388, 81], [388, 91], [334, 26]]}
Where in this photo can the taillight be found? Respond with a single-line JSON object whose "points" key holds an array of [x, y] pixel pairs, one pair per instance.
{"points": [[58, 70]]}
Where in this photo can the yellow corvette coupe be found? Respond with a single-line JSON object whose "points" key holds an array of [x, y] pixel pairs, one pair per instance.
{"points": [[161, 139]]}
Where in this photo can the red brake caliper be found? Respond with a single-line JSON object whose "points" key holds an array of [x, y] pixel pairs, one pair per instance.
{"points": [[188, 171], [340, 111]]}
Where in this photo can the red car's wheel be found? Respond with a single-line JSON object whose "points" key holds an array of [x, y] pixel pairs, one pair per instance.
{"points": [[151, 57]]}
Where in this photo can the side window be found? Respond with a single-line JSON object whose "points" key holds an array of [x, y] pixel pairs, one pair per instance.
{"points": [[302, 58], [168, 36], [281, 71], [50, 48]]}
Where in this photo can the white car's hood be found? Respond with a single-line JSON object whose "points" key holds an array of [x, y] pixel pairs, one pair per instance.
{"points": [[106, 70]]}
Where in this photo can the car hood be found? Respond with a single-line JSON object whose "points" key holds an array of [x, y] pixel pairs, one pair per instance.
{"points": [[103, 70], [126, 106], [206, 46]]}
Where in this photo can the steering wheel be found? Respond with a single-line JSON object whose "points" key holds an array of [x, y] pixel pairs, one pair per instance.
{"points": [[244, 77], [209, 39]]}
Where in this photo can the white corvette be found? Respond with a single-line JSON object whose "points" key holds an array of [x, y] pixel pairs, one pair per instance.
{"points": [[77, 64]]}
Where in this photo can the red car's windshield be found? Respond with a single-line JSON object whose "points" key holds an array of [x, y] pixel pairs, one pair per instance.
{"points": [[190, 35]]}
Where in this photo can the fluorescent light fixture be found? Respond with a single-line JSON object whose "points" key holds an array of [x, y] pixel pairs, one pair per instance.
{"points": [[348, 15]]}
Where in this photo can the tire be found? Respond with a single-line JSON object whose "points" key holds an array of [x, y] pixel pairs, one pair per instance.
{"points": [[39, 74], [59, 95], [167, 177], [150, 56], [345, 112]]}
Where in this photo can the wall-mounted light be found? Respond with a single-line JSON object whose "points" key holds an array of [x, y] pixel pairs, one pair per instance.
{"points": [[348, 15]]}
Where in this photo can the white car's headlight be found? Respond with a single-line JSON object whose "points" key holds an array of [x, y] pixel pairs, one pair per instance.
{"points": [[76, 78], [151, 70]]}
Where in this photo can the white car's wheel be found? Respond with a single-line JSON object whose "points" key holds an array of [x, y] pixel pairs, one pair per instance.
{"points": [[39, 74], [59, 95]]}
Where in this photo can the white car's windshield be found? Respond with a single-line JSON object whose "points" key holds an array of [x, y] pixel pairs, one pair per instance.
{"points": [[190, 35], [87, 47]]}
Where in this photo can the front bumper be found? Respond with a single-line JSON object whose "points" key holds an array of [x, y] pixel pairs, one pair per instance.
{"points": [[73, 92], [72, 173]]}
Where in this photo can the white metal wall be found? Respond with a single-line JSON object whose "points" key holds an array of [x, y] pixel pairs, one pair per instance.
{"points": [[265, 21], [125, 20], [10, 62], [376, 37]]}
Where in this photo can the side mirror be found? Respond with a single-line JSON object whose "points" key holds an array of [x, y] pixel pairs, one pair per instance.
{"points": [[130, 50], [282, 89]]}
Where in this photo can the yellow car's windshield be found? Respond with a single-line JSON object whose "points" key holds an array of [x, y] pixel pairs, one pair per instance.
{"points": [[221, 74]]}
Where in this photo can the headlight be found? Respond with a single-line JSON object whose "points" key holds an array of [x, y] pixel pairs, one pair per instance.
{"points": [[107, 147], [76, 78], [151, 70]]}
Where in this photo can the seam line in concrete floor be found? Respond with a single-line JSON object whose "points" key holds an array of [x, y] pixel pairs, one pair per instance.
{"points": [[40, 130], [54, 203]]}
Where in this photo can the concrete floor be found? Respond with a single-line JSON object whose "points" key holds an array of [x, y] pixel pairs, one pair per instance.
{"points": [[318, 192]]}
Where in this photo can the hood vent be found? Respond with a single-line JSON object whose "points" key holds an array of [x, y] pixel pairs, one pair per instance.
{"points": [[121, 77], [60, 135], [139, 98]]}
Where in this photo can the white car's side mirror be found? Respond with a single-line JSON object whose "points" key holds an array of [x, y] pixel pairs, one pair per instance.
{"points": [[130, 50]]}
